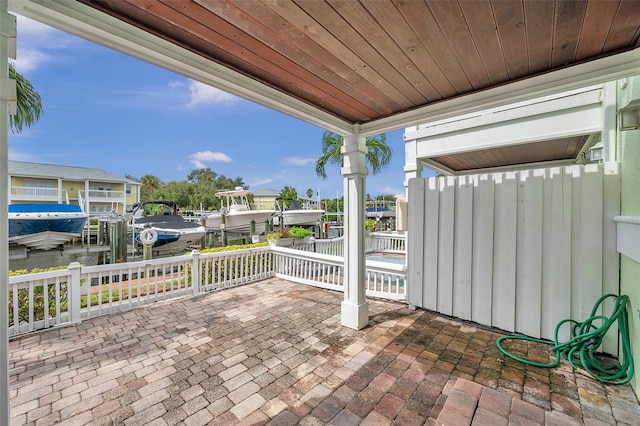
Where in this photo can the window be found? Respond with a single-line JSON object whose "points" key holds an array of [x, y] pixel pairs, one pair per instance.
{"points": [[30, 183], [97, 209]]}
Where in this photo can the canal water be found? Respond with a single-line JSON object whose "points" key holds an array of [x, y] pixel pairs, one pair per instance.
{"points": [[51, 258]]}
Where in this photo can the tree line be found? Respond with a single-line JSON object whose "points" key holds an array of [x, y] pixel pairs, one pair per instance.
{"points": [[197, 192]]}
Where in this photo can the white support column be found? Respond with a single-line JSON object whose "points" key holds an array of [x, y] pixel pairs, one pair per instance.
{"points": [[609, 121], [60, 200], [355, 308], [87, 203], [124, 198], [7, 94], [75, 316], [412, 166]]}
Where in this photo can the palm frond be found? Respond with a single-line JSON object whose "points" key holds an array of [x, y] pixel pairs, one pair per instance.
{"points": [[378, 154], [29, 103]]}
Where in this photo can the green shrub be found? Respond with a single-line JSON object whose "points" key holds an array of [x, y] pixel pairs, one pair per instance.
{"points": [[297, 232], [294, 232], [370, 224], [38, 302], [35, 270]]}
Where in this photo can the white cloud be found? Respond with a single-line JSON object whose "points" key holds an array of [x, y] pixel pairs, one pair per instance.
{"points": [[390, 190], [30, 59], [261, 182], [20, 156], [199, 158], [202, 94], [297, 161], [36, 41]]}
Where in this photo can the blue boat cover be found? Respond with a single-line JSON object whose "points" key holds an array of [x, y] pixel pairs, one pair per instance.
{"points": [[44, 208]]}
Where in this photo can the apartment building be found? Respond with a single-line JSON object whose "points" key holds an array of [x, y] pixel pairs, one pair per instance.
{"points": [[97, 191]]}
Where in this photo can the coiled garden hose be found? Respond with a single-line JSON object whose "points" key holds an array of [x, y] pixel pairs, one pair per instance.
{"points": [[586, 339]]}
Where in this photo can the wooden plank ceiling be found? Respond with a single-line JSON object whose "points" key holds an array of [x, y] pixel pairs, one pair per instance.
{"points": [[369, 59], [553, 150]]}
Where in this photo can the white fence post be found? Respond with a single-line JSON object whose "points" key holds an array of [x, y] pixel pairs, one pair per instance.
{"points": [[195, 272], [74, 293]]}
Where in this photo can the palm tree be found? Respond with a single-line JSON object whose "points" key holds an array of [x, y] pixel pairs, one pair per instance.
{"points": [[377, 157], [29, 104], [149, 184]]}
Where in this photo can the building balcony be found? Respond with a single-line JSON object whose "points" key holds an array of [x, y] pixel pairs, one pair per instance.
{"points": [[25, 193], [96, 195]]}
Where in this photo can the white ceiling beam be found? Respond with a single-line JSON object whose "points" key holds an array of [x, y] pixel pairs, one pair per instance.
{"points": [[525, 130], [572, 100]]}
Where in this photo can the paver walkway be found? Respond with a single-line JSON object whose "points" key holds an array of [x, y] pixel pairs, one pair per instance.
{"points": [[274, 352]]}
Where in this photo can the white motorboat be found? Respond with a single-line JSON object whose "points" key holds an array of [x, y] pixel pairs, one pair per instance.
{"points": [[42, 226], [172, 234], [298, 214], [235, 214]]}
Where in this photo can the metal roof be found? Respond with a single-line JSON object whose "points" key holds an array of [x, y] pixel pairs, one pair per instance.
{"points": [[54, 171]]}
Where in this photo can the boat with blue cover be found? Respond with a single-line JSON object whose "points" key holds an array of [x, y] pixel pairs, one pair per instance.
{"points": [[43, 226], [172, 233]]}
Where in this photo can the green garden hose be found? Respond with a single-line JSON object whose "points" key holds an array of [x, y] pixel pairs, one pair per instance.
{"points": [[586, 339]]}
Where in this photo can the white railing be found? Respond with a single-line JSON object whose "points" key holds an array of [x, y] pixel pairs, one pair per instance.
{"points": [[317, 269], [382, 279], [388, 242], [101, 195], [38, 301], [46, 299], [232, 268], [333, 247], [116, 287], [34, 193]]}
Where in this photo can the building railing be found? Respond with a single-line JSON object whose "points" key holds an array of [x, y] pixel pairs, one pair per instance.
{"points": [[46, 299], [34, 193], [102, 195]]}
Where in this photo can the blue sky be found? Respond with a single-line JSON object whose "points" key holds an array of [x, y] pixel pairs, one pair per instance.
{"points": [[106, 110]]}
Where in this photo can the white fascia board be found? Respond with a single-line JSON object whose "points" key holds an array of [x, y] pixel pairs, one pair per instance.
{"points": [[530, 109], [83, 21], [552, 125], [590, 73]]}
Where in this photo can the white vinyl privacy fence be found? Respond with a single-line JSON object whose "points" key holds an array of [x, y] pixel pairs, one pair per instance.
{"points": [[519, 251]]}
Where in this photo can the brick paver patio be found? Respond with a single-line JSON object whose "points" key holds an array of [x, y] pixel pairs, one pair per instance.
{"points": [[274, 352]]}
